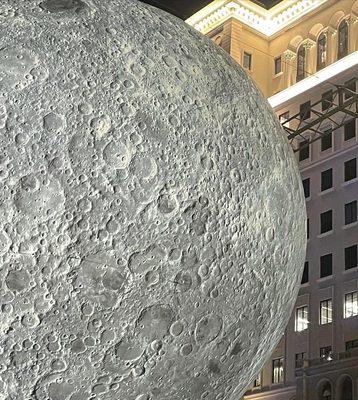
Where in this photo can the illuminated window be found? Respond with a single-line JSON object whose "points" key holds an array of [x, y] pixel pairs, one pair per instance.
{"points": [[350, 212], [301, 322], [301, 63], [343, 39], [277, 370], [326, 352], [325, 316], [321, 51], [351, 256], [350, 304], [326, 264], [247, 60], [278, 65]]}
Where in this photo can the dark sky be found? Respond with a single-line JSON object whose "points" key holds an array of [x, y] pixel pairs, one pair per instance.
{"points": [[185, 8]]}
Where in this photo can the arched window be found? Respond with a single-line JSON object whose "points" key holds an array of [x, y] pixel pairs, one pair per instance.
{"points": [[347, 389], [326, 392], [343, 39], [321, 51], [301, 63]]}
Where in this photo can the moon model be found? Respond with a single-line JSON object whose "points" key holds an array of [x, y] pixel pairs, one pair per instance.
{"points": [[152, 224]]}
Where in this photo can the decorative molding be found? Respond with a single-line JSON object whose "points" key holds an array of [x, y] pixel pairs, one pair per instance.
{"points": [[289, 55], [308, 43], [267, 22]]}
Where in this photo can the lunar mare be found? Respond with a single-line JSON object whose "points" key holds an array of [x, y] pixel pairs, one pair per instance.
{"points": [[152, 223]]}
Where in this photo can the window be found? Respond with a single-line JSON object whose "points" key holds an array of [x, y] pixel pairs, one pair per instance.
{"points": [[305, 110], [351, 86], [247, 60], [350, 257], [301, 322], [351, 344], [305, 274], [321, 51], [350, 169], [301, 63], [278, 65], [327, 100], [350, 212], [299, 357], [306, 187], [326, 265], [277, 370], [304, 150], [343, 39], [257, 381], [284, 117], [350, 130], [326, 221], [326, 179], [326, 140], [326, 352], [325, 392], [308, 228], [350, 304], [325, 316]]}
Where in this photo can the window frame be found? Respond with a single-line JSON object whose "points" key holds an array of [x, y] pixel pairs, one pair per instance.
{"points": [[328, 256], [280, 373], [321, 64], [353, 211], [347, 173], [278, 58], [246, 53], [326, 317], [343, 48], [301, 63], [329, 222], [327, 174], [327, 134], [301, 321], [353, 124], [353, 247], [354, 303]]}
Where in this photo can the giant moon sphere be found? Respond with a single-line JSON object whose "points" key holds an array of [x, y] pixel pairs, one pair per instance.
{"points": [[152, 224]]}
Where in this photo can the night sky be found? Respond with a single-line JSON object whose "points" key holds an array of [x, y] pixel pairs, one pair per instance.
{"points": [[186, 8]]}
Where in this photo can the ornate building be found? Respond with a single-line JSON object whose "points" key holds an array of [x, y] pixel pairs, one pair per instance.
{"points": [[303, 55]]}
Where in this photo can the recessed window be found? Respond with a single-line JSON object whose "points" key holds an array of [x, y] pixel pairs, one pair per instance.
{"points": [[343, 39], [305, 110], [351, 344], [326, 263], [321, 51], [350, 130], [278, 65], [326, 221], [304, 150], [351, 87], [350, 257], [326, 352], [351, 304], [247, 60], [327, 100], [350, 212], [299, 357], [301, 63], [301, 322], [277, 370], [350, 169], [306, 187], [326, 179], [326, 140], [305, 274], [257, 381], [308, 228], [326, 312]]}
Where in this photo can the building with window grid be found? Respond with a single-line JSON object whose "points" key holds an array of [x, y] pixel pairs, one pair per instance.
{"points": [[299, 53]]}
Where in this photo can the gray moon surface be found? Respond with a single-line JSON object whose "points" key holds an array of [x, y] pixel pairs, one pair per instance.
{"points": [[152, 221]]}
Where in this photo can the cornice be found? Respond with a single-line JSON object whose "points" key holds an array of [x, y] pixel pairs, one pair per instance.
{"points": [[267, 22]]}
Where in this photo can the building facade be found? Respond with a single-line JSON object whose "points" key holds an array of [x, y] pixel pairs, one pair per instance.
{"points": [[303, 55]]}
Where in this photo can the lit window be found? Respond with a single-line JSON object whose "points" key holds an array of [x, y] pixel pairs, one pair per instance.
{"points": [[301, 319], [350, 212], [277, 370], [301, 63], [326, 140], [325, 316], [343, 39], [326, 352], [350, 256], [350, 304], [350, 129], [257, 381], [326, 264], [350, 169], [305, 277], [247, 60], [304, 150], [326, 179], [326, 221], [299, 357], [306, 187], [321, 51], [278, 65]]}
